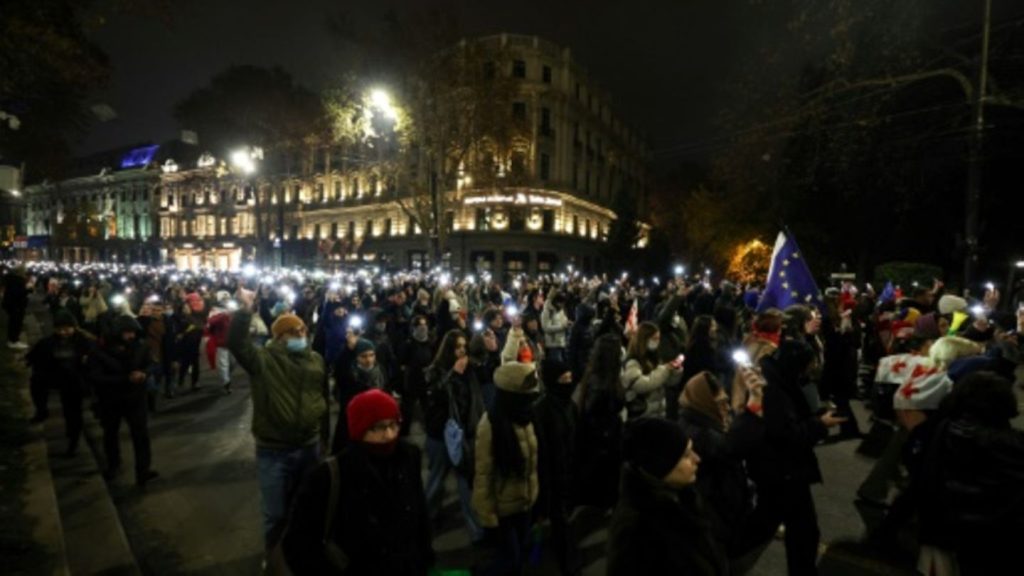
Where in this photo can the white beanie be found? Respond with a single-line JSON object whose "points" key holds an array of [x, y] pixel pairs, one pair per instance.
{"points": [[950, 303]]}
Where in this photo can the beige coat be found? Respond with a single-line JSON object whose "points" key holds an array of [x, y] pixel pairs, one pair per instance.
{"points": [[493, 495]]}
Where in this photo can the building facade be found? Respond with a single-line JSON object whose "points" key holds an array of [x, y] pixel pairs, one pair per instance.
{"points": [[103, 214], [343, 209]]}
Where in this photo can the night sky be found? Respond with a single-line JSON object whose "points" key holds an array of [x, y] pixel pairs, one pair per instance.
{"points": [[667, 64]]}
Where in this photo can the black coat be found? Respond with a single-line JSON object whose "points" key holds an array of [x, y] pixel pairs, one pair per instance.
{"points": [[791, 430], [659, 530], [973, 494], [380, 523], [468, 401], [110, 365], [722, 479], [51, 371], [555, 417]]}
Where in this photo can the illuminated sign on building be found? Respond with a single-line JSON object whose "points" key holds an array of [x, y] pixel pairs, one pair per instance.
{"points": [[518, 198], [139, 157]]}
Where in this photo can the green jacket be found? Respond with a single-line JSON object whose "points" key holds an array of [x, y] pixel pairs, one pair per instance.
{"points": [[288, 403]]}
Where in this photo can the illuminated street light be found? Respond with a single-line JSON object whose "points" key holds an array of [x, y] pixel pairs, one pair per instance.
{"points": [[243, 160], [381, 100]]}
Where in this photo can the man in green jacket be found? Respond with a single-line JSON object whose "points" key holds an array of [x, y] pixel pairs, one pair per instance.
{"points": [[288, 406]]}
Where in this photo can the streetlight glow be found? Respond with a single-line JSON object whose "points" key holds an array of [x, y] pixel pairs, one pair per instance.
{"points": [[381, 100], [243, 160]]}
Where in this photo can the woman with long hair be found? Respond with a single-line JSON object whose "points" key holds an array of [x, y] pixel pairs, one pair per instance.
{"points": [[506, 484], [643, 376], [452, 392], [599, 430]]}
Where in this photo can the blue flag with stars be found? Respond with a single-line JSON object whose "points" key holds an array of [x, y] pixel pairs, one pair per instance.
{"points": [[789, 279]]}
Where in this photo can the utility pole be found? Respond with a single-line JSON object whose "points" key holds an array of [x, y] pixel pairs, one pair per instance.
{"points": [[973, 206]]}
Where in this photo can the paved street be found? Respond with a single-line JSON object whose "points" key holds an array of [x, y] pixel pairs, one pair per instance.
{"points": [[202, 516]]}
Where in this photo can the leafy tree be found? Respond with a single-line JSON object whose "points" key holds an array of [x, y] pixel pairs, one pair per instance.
{"points": [[254, 107]]}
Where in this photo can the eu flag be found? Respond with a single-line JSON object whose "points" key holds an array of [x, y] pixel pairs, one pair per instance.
{"points": [[789, 279]]}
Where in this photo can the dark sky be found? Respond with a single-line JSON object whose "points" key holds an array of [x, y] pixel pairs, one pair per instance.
{"points": [[666, 64]]}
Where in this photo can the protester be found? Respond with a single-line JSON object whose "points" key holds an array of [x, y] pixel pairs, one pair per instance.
{"points": [[286, 378], [659, 526], [643, 376], [58, 361], [505, 485], [118, 369], [378, 523]]}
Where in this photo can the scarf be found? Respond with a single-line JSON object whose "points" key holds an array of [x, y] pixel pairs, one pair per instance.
{"points": [[772, 337], [697, 397]]}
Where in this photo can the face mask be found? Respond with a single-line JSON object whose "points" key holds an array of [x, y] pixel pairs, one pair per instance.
{"points": [[419, 333], [652, 345], [675, 320], [296, 344]]}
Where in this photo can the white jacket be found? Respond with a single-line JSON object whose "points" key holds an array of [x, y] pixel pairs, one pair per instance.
{"points": [[555, 325]]}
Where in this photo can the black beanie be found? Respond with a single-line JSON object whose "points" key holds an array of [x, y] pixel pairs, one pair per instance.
{"points": [[64, 318], [654, 445], [551, 370]]}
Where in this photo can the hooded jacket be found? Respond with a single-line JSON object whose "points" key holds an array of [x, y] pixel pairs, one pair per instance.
{"points": [[656, 529], [287, 387]]}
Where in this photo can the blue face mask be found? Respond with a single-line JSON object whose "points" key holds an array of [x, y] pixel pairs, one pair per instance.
{"points": [[296, 344]]}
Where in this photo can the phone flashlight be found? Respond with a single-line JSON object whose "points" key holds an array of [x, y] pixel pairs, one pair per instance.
{"points": [[511, 310], [741, 357], [478, 326], [355, 322]]}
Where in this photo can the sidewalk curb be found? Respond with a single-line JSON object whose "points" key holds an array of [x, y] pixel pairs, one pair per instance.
{"points": [[41, 499]]}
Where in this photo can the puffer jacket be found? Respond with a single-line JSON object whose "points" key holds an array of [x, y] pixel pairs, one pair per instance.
{"points": [[650, 385], [287, 394], [555, 325], [493, 495]]}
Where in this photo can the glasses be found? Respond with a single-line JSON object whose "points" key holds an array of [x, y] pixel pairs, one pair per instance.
{"points": [[386, 426]]}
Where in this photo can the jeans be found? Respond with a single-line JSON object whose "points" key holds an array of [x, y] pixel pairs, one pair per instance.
{"points": [[439, 465], [281, 471]]}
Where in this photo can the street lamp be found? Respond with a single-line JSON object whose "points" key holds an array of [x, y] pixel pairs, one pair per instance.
{"points": [[381, 100]]}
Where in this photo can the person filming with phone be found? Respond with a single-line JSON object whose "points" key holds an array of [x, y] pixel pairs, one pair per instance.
{"points": [[787, 466]]}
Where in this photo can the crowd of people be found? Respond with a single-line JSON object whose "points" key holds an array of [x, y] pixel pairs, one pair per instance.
{"points": [[674, 405]]}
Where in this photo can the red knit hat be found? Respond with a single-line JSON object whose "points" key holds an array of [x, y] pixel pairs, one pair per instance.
{"points": [[368, 408]]}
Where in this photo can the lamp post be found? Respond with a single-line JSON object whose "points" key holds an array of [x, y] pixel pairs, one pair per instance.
{"points": [[244, 160]]}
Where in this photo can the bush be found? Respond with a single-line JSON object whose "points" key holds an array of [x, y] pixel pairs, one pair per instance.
{"points": [[904, 274]]}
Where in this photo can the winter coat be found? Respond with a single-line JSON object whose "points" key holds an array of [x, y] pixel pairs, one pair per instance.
{"points": [[581, 340], [110, 365], [92, 307], [56, 363], [791, 430], [415, 357], [722, 480], [974, 493], [15, 292], [468, 401], [598, 447], [493, 495], [656, 529], [380, 523], [555, 417], [556, 325], [648, 385], [510, 351], [287, 388]]}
